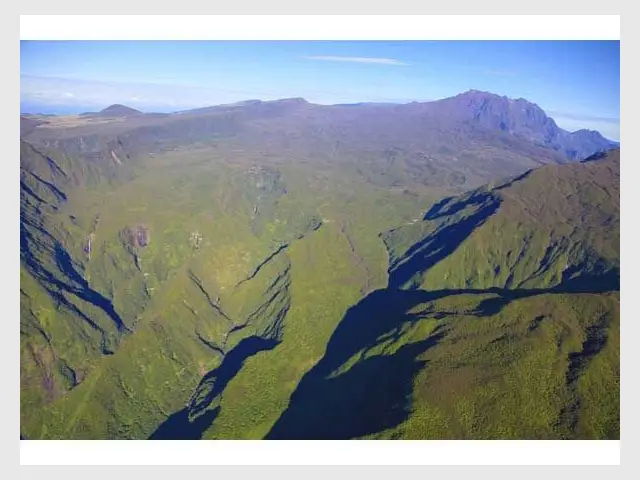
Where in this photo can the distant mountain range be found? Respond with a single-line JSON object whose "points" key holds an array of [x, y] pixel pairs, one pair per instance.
{"points": [[462, 141], [485, 111]]}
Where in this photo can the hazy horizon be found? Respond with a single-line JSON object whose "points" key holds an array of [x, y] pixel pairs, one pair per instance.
{"points": [[575, 82], [28, 109]]}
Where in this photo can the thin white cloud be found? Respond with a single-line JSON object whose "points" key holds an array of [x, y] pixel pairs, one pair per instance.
{"points": [[43, 92], [369, 60], [48, 94]]}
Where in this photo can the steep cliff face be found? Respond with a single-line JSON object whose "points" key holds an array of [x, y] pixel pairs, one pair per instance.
{"points": [[520, 118]]}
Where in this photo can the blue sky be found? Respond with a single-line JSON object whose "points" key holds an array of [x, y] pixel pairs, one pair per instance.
{"points": [[576, 82]]}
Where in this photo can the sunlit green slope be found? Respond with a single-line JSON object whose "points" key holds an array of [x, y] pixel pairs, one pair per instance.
{"points": [[501, 320]]}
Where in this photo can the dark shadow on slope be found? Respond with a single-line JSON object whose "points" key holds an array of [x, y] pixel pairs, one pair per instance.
{"points": [[85, 292], [606, 282], [596, 156], [24, 188], [452, 205], [216, 380], [441, 243], [53, 282], [59, 194], [595, 341], [192, 421], [510, 181], [179, 427], [375, 393]]}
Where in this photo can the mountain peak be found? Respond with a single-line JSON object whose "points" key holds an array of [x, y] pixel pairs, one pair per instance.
{"points": [[474, 91], [292, 101], [481, 94], [119, 110], [485, 95], [494, 112]]}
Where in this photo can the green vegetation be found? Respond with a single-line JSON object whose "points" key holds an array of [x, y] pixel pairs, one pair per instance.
{"points": [[191, 273], [507, 237], [452, 368], [181, 284]]}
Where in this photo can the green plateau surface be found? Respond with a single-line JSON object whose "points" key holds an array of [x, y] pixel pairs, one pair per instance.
{"points": [[260, 273]]}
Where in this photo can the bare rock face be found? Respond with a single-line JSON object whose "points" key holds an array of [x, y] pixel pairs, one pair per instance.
{"points": [[137, 236], [520, 118], [142, 236]]}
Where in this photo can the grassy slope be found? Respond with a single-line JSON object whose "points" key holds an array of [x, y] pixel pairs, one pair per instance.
{"points": [[62, 330], [555, 223], [155, 369], [323, 287], [509, 376], [538, 359], [406, 366]]}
